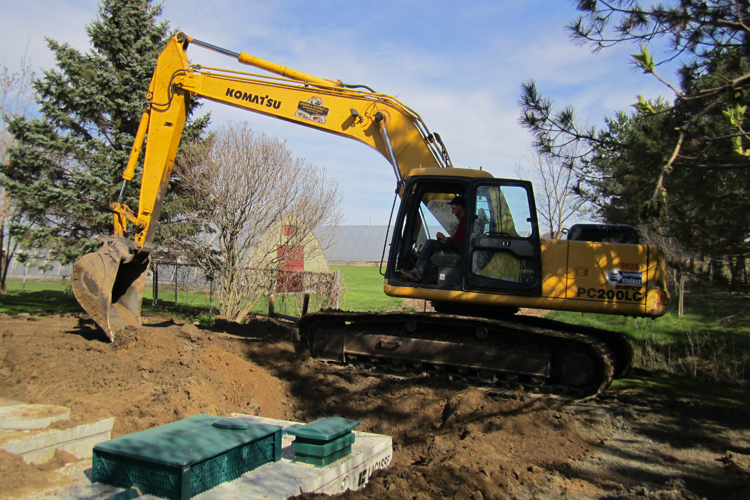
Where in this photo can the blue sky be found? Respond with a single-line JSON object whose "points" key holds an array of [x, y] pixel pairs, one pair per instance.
{"points": [[459, 65]]}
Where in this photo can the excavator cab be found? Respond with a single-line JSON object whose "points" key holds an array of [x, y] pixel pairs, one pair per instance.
{"points": [[499, 251]]}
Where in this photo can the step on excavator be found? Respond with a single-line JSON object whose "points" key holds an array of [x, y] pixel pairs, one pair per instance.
{"points": [[493, 264]]}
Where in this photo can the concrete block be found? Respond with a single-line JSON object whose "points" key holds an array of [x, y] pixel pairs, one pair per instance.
{"points": [[29, 417], [39, 446]]}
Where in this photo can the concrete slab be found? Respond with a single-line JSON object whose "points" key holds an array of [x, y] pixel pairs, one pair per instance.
{"points": [[281, 480], [39, 446], [273, 481], [31, 416]]}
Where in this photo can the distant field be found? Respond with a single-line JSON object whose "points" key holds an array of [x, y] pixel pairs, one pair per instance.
{"points": [[363, 290]]}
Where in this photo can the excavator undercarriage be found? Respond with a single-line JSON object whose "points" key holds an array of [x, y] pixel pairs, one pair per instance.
{"points": [[533, 352]]}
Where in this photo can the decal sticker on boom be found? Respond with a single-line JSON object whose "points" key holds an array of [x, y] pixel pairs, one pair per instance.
{"points": [[312, 110], [253, 98], [619, 277]]}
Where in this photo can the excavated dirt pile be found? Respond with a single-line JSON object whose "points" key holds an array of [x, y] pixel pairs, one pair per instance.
{"points": [[451, 439]]}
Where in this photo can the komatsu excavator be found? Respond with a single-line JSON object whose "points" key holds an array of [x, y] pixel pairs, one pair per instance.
{"points": [[476, 285]]}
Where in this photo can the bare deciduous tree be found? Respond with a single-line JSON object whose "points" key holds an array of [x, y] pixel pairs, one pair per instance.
{"points": [[15, 99], [257, 206], [554, 190]]}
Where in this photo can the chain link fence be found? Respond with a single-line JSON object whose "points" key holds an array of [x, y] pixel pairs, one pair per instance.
{"points": [[187, 287]]}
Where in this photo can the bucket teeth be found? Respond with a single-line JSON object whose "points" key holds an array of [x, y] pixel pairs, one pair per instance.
{"points": [[109, 284]]}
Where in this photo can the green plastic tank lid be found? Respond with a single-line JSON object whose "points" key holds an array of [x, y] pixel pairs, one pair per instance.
{"points": [[325, 429], [325, 449], [187, 441], [230, 423]]}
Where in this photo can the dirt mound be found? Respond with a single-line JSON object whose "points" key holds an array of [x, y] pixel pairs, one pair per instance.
{"points": [[451, 439], [19, 476], [148, 377]]}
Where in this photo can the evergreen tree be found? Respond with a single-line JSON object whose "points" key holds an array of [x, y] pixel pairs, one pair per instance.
{"points": [[66, 166], [708, 211], [683, 158]]}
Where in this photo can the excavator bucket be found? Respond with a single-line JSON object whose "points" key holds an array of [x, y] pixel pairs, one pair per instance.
{"points": [[109, 284]]}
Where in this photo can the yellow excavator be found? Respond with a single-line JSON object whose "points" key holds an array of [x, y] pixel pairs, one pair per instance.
{"points": [[476, 284]]}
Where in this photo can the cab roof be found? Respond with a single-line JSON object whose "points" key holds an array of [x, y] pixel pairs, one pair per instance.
{"points": [[452, 172]]}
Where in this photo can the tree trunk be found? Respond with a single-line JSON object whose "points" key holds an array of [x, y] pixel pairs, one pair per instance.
{"points": [[737, 269], [717, 271], [6, 254], [678, 277]]}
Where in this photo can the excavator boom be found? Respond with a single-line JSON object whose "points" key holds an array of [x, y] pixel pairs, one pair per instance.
{"points": [[109, 283]]}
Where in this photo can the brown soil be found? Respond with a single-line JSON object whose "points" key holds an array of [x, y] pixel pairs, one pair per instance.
{"points": [[451, 440]]}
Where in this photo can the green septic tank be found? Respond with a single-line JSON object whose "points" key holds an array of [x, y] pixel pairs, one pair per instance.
{"points": [[323, 441], [187, 457]]}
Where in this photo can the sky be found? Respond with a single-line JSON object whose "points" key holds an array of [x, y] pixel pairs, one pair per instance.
{"points": [[460, 65]]}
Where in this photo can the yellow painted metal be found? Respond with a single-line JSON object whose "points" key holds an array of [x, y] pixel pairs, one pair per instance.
{"points": [[589, 264], [109, 283], [165, 124], [284, 71], [453, 172], [574, 278], [137, 145], [325, 109], [329, 108], [123, 214], [657, 297]]}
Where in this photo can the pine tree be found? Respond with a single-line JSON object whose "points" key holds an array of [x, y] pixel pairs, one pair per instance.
{"points": [[66, 166]]}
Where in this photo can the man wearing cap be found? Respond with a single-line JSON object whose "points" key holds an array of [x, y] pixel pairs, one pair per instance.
{"points": [[458, 207]]}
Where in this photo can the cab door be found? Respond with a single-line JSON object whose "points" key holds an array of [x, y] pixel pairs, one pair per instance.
{"points": [[503, 248]]}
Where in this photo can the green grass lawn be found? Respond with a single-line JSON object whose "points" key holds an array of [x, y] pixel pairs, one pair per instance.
{"points": [[722, 315], [710, 342], [363, 290], [56, 297]]}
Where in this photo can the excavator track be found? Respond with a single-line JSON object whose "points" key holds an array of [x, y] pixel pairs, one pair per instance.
{"points": [[517, 350]]}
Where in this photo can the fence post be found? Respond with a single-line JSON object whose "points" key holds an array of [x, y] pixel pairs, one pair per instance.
{"points": [[270, 305], [155, 285], [305, 303], [338, 288], [175, 285], [211, 297]]}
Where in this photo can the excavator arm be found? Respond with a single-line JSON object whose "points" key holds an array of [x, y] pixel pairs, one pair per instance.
{"points": [[109, 283]]}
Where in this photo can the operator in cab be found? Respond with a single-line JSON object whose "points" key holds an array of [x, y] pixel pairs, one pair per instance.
{"points": [[446, 243]]}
